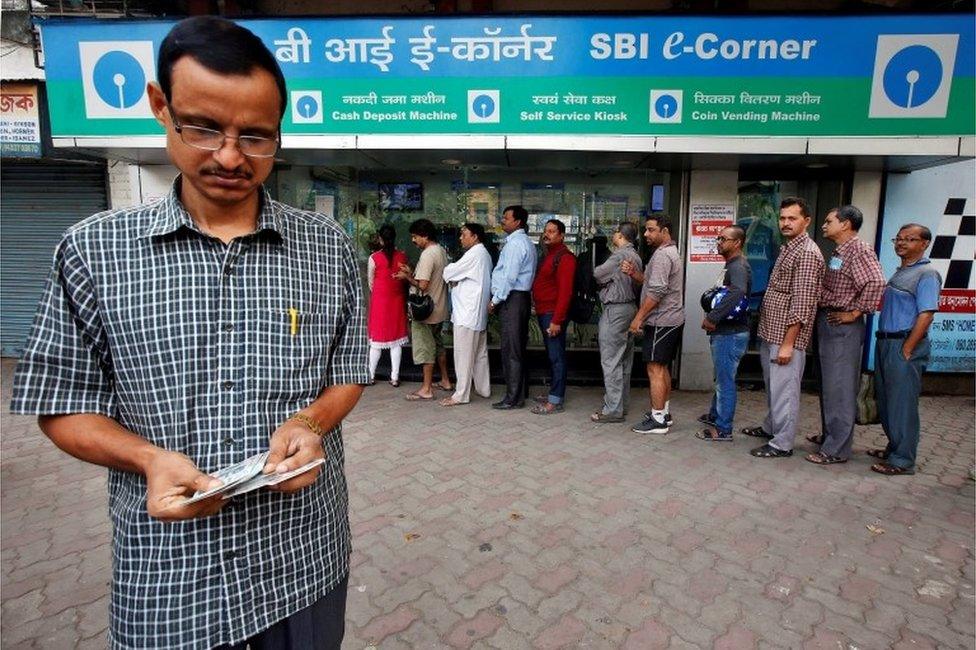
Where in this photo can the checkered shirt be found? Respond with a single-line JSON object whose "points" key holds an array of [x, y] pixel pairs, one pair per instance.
{"points": [[859, 282], [792, 292], [187, 341]]}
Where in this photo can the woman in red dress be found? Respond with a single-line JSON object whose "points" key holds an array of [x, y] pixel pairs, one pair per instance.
{"points": [[387, 324]]}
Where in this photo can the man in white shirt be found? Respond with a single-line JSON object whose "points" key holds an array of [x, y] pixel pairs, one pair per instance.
{"points": [[470, 279]]}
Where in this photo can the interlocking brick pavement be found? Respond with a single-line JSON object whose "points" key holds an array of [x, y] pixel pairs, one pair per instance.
{"points": [[475, 528]]}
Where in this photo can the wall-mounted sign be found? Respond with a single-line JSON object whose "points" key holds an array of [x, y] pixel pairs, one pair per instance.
{"points": [[706, 222], [728, 76], [20, 120]]}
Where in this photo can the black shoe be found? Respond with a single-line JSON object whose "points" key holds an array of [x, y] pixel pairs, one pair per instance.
{"points": [[651, 424], [769, 451], [507, 406], [756, 432]]}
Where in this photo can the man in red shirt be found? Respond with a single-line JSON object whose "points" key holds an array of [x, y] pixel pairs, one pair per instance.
{"points": [[552, 292]]}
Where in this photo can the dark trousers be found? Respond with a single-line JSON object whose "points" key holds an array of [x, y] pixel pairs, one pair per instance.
{"points": [[513, 315], [897, 384], [320, 626], [556, 349]]}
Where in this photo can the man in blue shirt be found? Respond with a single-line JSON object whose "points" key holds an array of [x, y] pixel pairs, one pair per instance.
{"points": [[911, 299], [511, 282]]}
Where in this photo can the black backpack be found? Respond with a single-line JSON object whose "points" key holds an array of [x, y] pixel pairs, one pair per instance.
{"points": [[585, 292]]}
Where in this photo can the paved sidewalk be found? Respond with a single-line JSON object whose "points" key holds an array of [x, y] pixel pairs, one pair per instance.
{"points": [[475, 528]]}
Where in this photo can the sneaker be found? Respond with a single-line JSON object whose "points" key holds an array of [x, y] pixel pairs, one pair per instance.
{"points": [[650, 424], [706, 418], [668, 420]]}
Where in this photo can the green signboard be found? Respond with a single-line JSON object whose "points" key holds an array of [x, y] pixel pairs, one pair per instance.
{"points": [[741, 76]]}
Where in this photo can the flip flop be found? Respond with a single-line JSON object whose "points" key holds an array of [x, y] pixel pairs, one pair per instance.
{"points": [[878, 453], [440, 386], [816, 439], [821, 458], [449, 401], [414, 397]]}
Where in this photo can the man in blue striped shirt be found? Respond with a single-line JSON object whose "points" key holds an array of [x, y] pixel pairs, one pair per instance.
{"points": [[186, 335], [511, 298]]}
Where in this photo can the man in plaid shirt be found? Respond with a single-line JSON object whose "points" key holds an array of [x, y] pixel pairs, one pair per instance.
{"points": [[186, 335], [785, 328], [852, 287]]}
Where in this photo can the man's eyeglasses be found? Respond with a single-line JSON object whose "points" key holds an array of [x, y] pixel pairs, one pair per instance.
{"points": [[252, 146], [905, 240]]}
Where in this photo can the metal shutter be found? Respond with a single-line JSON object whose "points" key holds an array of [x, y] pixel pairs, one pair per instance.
{"points": [[38, 201]]}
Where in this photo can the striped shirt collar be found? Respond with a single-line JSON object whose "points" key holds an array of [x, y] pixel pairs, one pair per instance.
{"points": [[170, 215]]}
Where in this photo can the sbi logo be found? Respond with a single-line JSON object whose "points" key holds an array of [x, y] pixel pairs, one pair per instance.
{"points": [[484, 107], [666, 106], [306, 107], [913, 75], [114, 75]]}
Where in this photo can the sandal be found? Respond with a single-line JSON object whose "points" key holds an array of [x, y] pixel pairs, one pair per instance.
{"points": [[820, 458], [547, 409], [878, 453], [440, 386], [414, 397], [769, 451], [816, 439], [395, 383], [757, 432], [602, 418], [891, 470], [712, 435]]}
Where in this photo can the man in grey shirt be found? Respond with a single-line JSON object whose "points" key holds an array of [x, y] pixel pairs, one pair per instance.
{"points": [[661, 316], [619, 298]]}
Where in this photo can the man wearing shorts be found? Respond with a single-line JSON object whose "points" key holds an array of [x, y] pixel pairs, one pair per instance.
{"points": [[661, 316], [425, 336]]}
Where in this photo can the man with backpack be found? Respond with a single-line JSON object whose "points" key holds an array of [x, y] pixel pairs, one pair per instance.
{"points": [[552, 292], [619, 298]]}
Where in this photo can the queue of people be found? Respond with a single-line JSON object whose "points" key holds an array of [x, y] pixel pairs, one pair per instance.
{"points": [[808, 302]]}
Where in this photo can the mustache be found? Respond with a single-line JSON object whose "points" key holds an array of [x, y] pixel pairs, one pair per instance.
{"points": [[238, 172]]}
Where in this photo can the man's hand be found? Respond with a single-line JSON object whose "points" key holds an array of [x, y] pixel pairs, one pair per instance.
{"points": [[708, 325], [404, 273], [171, 478], [907, 351], [842, 317], [554, 330], [491, 307], [630, 270], [292, 445], [635, 326], [785, 354]]}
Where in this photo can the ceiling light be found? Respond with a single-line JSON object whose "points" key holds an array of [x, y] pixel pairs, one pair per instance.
{"points": [[817, 165], [451, 161]]}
